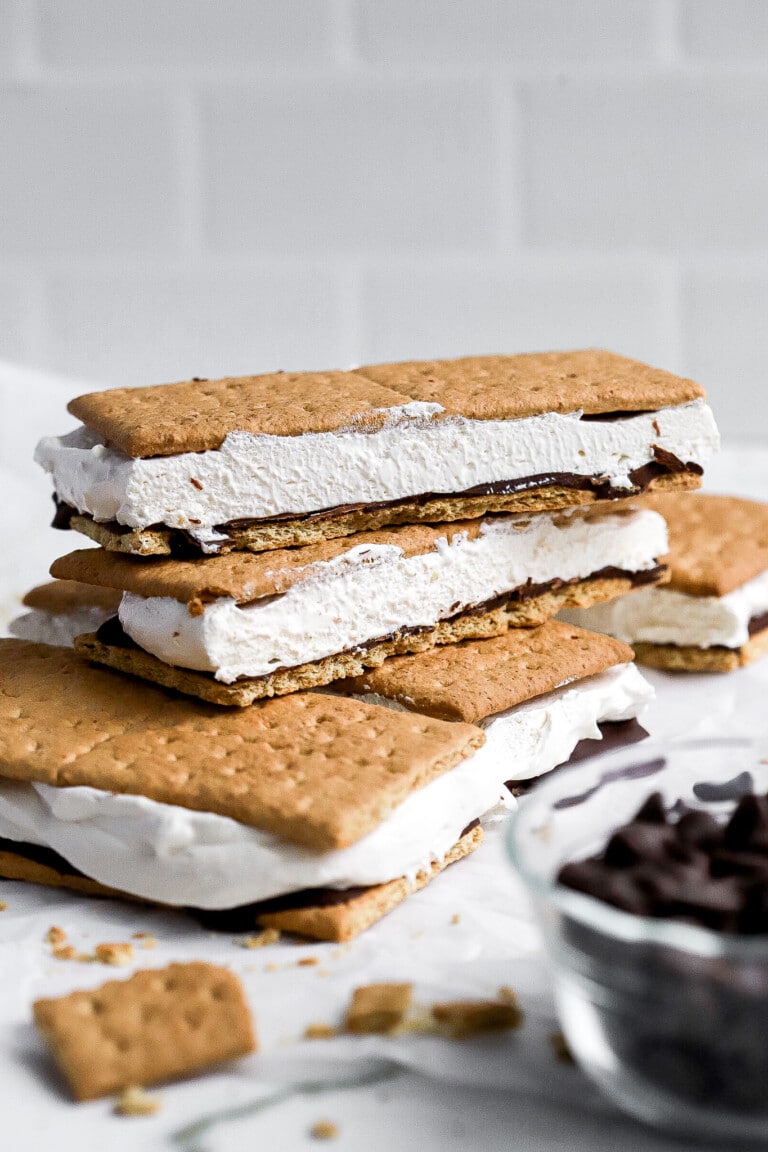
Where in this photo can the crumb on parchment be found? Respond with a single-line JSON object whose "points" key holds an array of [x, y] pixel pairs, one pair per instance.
{"points": [[118, 955], [135, 1101], [324, 1130], [261, 939]]}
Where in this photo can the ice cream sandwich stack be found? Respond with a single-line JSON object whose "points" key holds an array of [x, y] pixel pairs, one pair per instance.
{"points": [[399, 536]]}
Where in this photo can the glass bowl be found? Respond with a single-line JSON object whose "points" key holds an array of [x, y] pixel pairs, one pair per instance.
{"points": [[669, 1019]]}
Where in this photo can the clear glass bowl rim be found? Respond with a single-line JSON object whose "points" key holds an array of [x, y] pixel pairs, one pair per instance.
{"points": [[615, 922]]}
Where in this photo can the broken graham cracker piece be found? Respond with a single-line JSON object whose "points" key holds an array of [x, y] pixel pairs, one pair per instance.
{"points": [[460, 1019], [589, 380], [261, 939], [378, 1007], [318, 770], [478, 678], [716, 543], [118, 955], [324, 1130], [159, 1025]]}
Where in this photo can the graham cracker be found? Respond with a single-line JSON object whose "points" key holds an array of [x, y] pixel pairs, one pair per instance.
{"points": [[686, 658], [63, 597], [159, 1025], [243, 576], [717, 543], [510, 387], [197, 415], [474, 624], [336, 923], [264, 536], [318, 770], [464, 1018], [378, 1007], [478, 678]]}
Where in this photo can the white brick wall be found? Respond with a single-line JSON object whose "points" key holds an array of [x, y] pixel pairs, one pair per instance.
{"points": [[209, 186]]}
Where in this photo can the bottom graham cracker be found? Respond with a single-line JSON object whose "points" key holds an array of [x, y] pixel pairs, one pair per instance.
{"points": [[111, 647], [686, 658], [336, 921], [292, 531]]}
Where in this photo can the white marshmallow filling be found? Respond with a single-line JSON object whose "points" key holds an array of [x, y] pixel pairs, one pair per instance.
{"points": [[373, 591], [415, 452], [175, 856], [666, 616]]}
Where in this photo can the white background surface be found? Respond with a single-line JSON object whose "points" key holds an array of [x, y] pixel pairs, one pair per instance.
{"points": [[500, 1093], [202, 187]]}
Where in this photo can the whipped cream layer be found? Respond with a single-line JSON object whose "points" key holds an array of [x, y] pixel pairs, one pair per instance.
{"points": [[176, 856], [58, 628], [372, 591], [416, 452], [664, 616]]}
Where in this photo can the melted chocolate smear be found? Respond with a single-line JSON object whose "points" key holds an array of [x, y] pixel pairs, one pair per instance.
{"points": [[758, 623], [734, 789], [632, 772], [613, 417]]}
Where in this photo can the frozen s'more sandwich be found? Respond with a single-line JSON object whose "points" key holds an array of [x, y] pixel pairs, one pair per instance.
{"points": [[264, 462], [311, 813], [713, 614], [235, 628], [63, 609], [543, 696]]}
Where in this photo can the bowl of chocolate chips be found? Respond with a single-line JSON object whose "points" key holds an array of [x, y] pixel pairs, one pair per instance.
{"points": [[648, 870]]}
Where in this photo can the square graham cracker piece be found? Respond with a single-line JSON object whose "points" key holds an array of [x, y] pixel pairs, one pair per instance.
{"points": [[511, 387], [317, 770], [304, 914], [196, 415], [63, 597], [159, 1025], [478, 678], [716, 543]]}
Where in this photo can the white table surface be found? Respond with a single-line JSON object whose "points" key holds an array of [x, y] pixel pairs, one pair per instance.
{"points": [[498, 1093]]}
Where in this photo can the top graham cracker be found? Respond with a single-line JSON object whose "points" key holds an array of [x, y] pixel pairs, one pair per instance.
{"points": [[62, 597], [244, 576], [716, 543], [479, 678], [318, 770], [196, 415]]}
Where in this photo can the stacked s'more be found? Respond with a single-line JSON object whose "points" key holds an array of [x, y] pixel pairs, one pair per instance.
{"points": [[712, 616], [396, 535]]}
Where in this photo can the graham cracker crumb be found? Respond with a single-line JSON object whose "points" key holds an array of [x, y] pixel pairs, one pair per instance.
{"points": [[378, 1008], [118, 955], [507, 995], [324, 1130], [319, 1032], [561, 1049], [135, 1102], [307, 962], [272, 968], [455, 919], [463, 1018], [3, 906], [261, 939], [146, 938], [65, 952], [55, 935]]}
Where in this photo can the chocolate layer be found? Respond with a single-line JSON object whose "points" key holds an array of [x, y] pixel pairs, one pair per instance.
{"points": [[664, 463], [758, 624], [616, 734], [113, 634]]}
